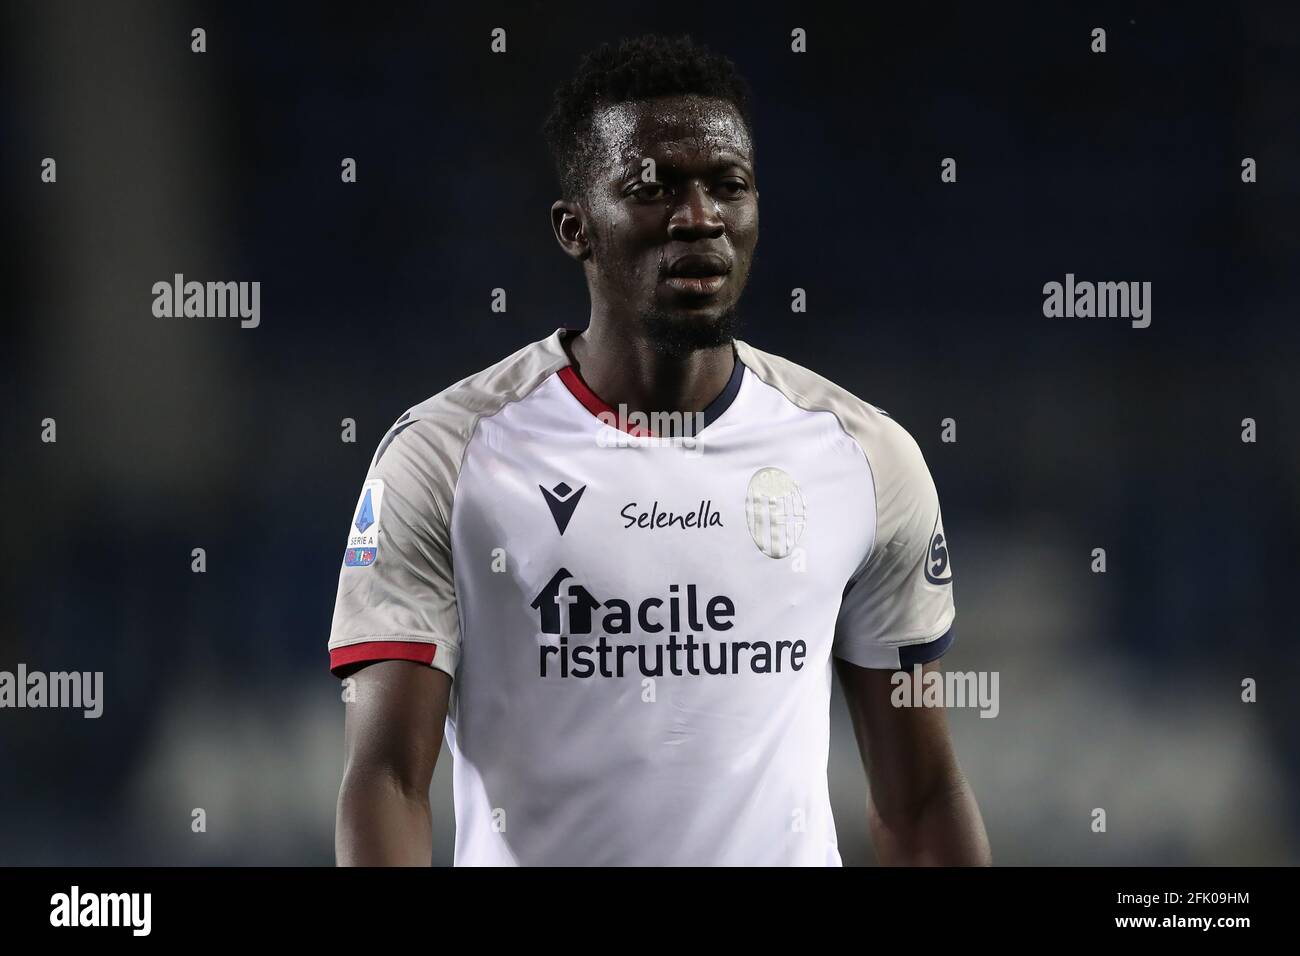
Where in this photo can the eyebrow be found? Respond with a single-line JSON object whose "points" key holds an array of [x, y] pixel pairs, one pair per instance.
{"points": [[721, 160]]}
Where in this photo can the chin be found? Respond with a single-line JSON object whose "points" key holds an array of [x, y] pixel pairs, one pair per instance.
{"points": [[679, 331]]}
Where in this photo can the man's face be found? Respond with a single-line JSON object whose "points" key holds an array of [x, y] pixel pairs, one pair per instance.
{"points": [[672, 246]]}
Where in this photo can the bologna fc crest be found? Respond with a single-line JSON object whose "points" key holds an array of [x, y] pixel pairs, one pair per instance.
{"points": [[775, 511]]}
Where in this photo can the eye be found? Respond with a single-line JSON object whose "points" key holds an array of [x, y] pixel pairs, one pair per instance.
{"points": [[733, 188], [649, 192]]}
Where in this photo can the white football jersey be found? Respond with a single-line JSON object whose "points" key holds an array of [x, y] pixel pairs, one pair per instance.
{"points": [[640, 628]]}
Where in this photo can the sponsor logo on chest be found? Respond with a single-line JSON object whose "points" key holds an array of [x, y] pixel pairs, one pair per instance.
{"points": [[636, 516]]}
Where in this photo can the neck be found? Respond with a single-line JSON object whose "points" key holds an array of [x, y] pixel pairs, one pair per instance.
{"points": [[626, 369]]}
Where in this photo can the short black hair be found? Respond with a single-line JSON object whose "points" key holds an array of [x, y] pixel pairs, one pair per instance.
{"points": [[637, 69]]}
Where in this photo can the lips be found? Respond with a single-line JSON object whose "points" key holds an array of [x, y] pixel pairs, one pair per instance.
{"points": [[698, 274], [698, 265]]}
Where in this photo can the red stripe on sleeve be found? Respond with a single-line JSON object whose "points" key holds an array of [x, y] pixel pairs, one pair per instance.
{"points": [[372, 651]]}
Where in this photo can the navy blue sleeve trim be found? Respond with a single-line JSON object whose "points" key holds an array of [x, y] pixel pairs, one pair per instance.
{"points": [[924, 653]]}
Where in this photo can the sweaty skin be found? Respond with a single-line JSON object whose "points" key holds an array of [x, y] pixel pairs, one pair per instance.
{"points": [[650, 345], [655, 343], [392, 737], [920, 809]]}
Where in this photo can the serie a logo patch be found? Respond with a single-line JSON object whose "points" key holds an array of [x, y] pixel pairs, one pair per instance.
{"points": [[363, 535]]}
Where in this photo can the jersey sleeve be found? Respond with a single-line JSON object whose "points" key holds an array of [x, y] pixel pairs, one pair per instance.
{"points": [[898, 608], [396, 596]]}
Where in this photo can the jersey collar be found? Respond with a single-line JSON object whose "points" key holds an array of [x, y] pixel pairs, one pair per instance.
{"points": [[607, 413]]}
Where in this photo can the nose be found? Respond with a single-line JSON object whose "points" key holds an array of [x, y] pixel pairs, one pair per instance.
{"points": [[696, 216]]}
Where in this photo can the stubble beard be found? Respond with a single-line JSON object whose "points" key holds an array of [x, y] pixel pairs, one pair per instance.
{"points": [[679, 335]]}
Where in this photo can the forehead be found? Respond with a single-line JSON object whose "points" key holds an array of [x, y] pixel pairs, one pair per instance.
{"points": [[625, 132]]}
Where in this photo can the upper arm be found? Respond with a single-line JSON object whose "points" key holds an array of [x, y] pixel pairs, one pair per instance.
{"points": [[897, 614], [395, 713], [394, 723], [907, 750]]}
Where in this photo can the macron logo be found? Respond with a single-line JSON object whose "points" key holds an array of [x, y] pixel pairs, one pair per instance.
{"points": [[563, 501]]}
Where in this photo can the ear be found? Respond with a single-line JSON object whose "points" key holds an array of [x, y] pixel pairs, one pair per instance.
{"points": [[568, 222]]}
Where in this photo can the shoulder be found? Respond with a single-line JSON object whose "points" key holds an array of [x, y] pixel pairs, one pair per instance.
{"points": [[418, 461], [438, 428], [491, 389], [892, 453]]}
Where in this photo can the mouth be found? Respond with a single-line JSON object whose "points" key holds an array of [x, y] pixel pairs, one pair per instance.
{"points": [[697, 274]]}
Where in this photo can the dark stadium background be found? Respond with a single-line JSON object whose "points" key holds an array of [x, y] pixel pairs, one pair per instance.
{"points": [[1119, 691]]}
